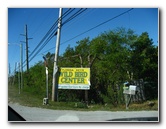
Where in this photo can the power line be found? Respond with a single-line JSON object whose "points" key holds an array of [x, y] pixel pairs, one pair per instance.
{"points": [[97, 26], [63, 24], [52, 29], [78, 19], [45, 43], [53, 33], [43, 22], [92, 28], [74, 15], [68, 20], [48, 32]]}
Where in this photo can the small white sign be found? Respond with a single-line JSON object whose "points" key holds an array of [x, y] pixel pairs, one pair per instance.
{"points": [[132, 87]]}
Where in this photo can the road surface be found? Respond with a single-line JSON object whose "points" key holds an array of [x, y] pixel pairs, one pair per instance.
{"points": [[33, 114]]}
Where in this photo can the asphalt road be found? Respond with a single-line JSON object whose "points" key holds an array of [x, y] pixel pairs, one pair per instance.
{"points": [[33, 114]]}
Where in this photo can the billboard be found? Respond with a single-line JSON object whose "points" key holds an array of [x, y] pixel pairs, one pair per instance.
{"points": [[74, 78]]}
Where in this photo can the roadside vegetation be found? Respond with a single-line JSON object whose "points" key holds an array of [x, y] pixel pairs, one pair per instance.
{"points": [[31, 100], [114, 57]]}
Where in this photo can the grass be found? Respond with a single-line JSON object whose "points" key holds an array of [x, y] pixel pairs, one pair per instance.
{"points": [[32, 100]]}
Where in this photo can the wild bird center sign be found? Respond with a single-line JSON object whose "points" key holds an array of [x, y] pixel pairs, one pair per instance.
{"points": [[74, 78]]}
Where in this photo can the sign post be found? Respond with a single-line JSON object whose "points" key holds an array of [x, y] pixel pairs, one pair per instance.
{"points": [[47, 81], [128, 91], [45, 100]]}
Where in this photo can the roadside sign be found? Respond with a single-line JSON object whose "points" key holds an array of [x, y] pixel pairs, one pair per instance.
{"points": [[74, 78]]}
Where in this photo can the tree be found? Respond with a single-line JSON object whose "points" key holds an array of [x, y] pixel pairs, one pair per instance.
{"points": [[37, 80], [114, 57], [144, 61]]}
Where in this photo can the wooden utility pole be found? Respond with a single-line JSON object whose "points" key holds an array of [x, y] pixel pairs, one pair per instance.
{"points": [[27, 56], [14, 74], [21, 65], [19, 85], [55, 69], [26, 42]]}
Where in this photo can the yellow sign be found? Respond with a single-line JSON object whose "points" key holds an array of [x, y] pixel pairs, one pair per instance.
{"points": [[74, 78]]}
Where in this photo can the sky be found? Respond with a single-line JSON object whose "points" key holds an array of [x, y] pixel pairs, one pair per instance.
{"points": [[40, 20]]}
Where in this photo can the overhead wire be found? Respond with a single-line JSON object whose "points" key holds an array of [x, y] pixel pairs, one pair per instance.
{"points": [[48, 39], [78, 19], [97, 26], [48, 36], [92, 28], [52, 29], [43, 22], [74, 15], [48, 32], [68, 20]]}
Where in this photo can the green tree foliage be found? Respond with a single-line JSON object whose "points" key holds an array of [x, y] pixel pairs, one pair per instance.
{"points": [[35, 79], [115, 56], [144, 60]]}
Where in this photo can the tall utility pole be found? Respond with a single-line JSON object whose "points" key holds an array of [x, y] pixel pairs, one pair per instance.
{"points": [[55, 70], [19, 86], [14, 74], [21, 65], [26, 41]]}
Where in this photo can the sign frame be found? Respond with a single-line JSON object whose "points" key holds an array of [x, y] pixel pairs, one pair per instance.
{"points": [[74, 78]]}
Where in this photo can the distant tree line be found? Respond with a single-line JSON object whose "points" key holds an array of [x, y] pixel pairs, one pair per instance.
{"points": [[114, 57]]}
